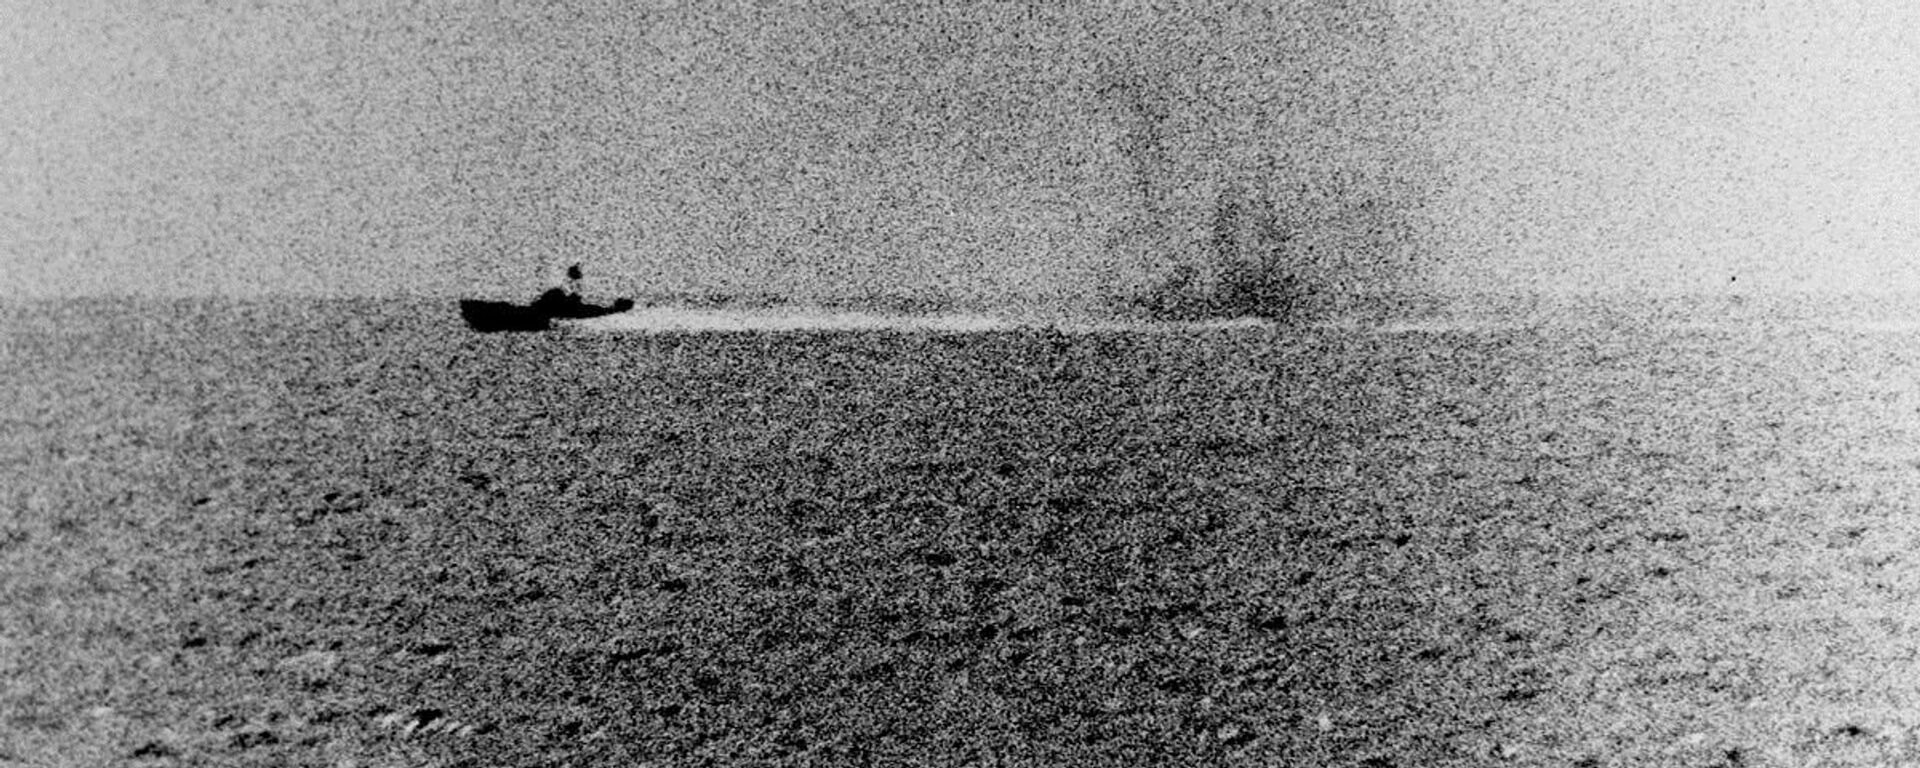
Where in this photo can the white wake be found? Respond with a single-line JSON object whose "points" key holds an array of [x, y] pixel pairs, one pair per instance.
{"points": [[691, 320]]}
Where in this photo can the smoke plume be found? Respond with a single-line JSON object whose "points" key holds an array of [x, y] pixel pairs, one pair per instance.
{"points": [[1273, 158]]}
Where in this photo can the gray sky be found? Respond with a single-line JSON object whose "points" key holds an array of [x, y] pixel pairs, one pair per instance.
{"points": [[974, 149]]}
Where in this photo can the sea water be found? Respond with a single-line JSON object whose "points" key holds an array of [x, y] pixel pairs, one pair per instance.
{"points": [[1569, 530]]}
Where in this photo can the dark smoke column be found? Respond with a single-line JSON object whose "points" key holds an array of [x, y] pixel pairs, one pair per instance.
{"points": [[1275, 171]]}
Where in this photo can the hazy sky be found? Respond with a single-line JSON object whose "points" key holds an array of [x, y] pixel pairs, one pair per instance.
{"points": [[975, 149]]}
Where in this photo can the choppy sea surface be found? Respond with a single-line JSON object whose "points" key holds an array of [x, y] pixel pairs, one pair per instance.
{"points": [[1465, 531]]}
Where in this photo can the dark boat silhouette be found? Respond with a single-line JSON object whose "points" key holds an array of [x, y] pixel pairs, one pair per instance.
{"points": [[496, 316]]}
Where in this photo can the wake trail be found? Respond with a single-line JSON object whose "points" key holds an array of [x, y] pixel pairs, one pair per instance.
{"points": [[685, 320]]}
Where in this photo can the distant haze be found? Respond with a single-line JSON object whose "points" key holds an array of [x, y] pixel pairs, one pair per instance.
{"points": [[974, 150]]}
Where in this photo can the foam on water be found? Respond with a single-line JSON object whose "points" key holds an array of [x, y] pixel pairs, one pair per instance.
{"points": [[1396, 327], [691, 320], [684, 320]]}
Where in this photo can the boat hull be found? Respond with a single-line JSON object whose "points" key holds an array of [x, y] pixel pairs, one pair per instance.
{"points": [[498, 316], [501, 316]]}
